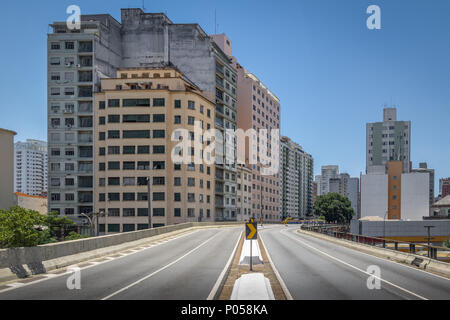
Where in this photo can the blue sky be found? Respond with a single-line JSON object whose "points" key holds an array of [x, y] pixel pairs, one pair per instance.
{"points": [[331, 73]]}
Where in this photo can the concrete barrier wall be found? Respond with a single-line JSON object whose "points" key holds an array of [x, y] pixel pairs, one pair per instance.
{"points": [[29, 256], [400, 228]]}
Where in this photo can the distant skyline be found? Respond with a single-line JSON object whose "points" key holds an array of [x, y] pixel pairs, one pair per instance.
{"points": [[331, 73]]}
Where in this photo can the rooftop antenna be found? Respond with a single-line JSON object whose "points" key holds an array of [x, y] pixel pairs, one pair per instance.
{"points": [[143, 5]]}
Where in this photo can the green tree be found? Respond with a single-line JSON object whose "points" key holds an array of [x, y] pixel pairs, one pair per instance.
{"points": [[446, 243], [55, 223], [75, 236], [334, 207], [20, 227]]}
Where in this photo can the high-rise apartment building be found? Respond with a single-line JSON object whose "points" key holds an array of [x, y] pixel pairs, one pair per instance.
{"points": [[296, 180], [347, 187], [141, 116], [386, 141], [78, 59], [259, 109], [30, 167], [6, 168], [328, 172]]}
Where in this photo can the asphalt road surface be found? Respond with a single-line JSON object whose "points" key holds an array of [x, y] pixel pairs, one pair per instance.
{"points": [[185, 268], [313, 268]]}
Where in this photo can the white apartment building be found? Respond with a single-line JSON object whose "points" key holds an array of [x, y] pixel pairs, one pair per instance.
{"points": [[296, 177], [30, 167]]}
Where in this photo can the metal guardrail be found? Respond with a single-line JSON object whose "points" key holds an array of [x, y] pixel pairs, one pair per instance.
{"points": [[424, 250]]}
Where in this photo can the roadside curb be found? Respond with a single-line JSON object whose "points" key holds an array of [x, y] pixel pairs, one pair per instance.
{"points": [[438, 267]]}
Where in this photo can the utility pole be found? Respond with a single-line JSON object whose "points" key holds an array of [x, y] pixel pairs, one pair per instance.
{"points": [[429, 239], [261, 192]]}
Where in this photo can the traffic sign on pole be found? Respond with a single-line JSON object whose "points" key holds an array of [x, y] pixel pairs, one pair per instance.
{"points": [[251, 230]]}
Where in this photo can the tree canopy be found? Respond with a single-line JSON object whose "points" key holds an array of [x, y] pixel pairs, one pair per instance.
{"points": [[21, 227], [334, 207]]}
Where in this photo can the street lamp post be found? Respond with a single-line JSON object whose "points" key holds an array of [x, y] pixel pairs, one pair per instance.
{"points": [[91, 223], [384, 229], [429, 239]]}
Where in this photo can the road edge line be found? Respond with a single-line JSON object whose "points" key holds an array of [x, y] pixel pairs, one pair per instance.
{"points": [[213, 295], [277, 274]]}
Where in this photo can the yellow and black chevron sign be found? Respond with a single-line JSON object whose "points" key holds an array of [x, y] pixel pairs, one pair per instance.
{"points": [[251, 230]]}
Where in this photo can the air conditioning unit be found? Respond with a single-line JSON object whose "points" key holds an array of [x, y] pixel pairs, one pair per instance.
{"points": [[68, 64], [78, 65]]}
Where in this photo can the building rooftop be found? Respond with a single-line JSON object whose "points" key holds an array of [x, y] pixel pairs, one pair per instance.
{"points": [[443, 202]]}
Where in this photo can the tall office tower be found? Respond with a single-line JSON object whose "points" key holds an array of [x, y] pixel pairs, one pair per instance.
{"points": [[296, 180], [386, 141], [347, 187], [423, 168], [78, 59], [30, 167], [328, 172], [137, 114], [259, 109], [339, 184]]}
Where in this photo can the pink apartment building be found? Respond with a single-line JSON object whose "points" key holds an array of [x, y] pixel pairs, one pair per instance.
{"points": [[258, 108]]}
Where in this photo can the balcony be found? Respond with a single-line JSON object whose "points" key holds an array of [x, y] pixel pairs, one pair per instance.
{"points": [[85, 47], [219, 69], [219, 109], [219, 122]]}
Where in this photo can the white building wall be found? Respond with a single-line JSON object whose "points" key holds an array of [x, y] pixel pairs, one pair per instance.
{"points": [[415, 196], [374, 195], [353, 193]]}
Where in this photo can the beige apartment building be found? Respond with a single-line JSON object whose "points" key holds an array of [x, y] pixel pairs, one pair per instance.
{"points": [[244, 193], [136, 116], [6, 168]]}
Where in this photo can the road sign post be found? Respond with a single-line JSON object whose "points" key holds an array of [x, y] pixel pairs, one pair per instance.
{"points": [[251, 233]]}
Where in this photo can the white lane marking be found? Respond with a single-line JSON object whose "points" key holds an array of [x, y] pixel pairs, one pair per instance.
{"points": [[277, 274], [384, 259], [86, 267], [216, 286], [352, 266], [160, 269], [16, 284]]}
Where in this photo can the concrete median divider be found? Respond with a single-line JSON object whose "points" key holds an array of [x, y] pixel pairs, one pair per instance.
{"points": [[438, 267], [24, 262]]}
